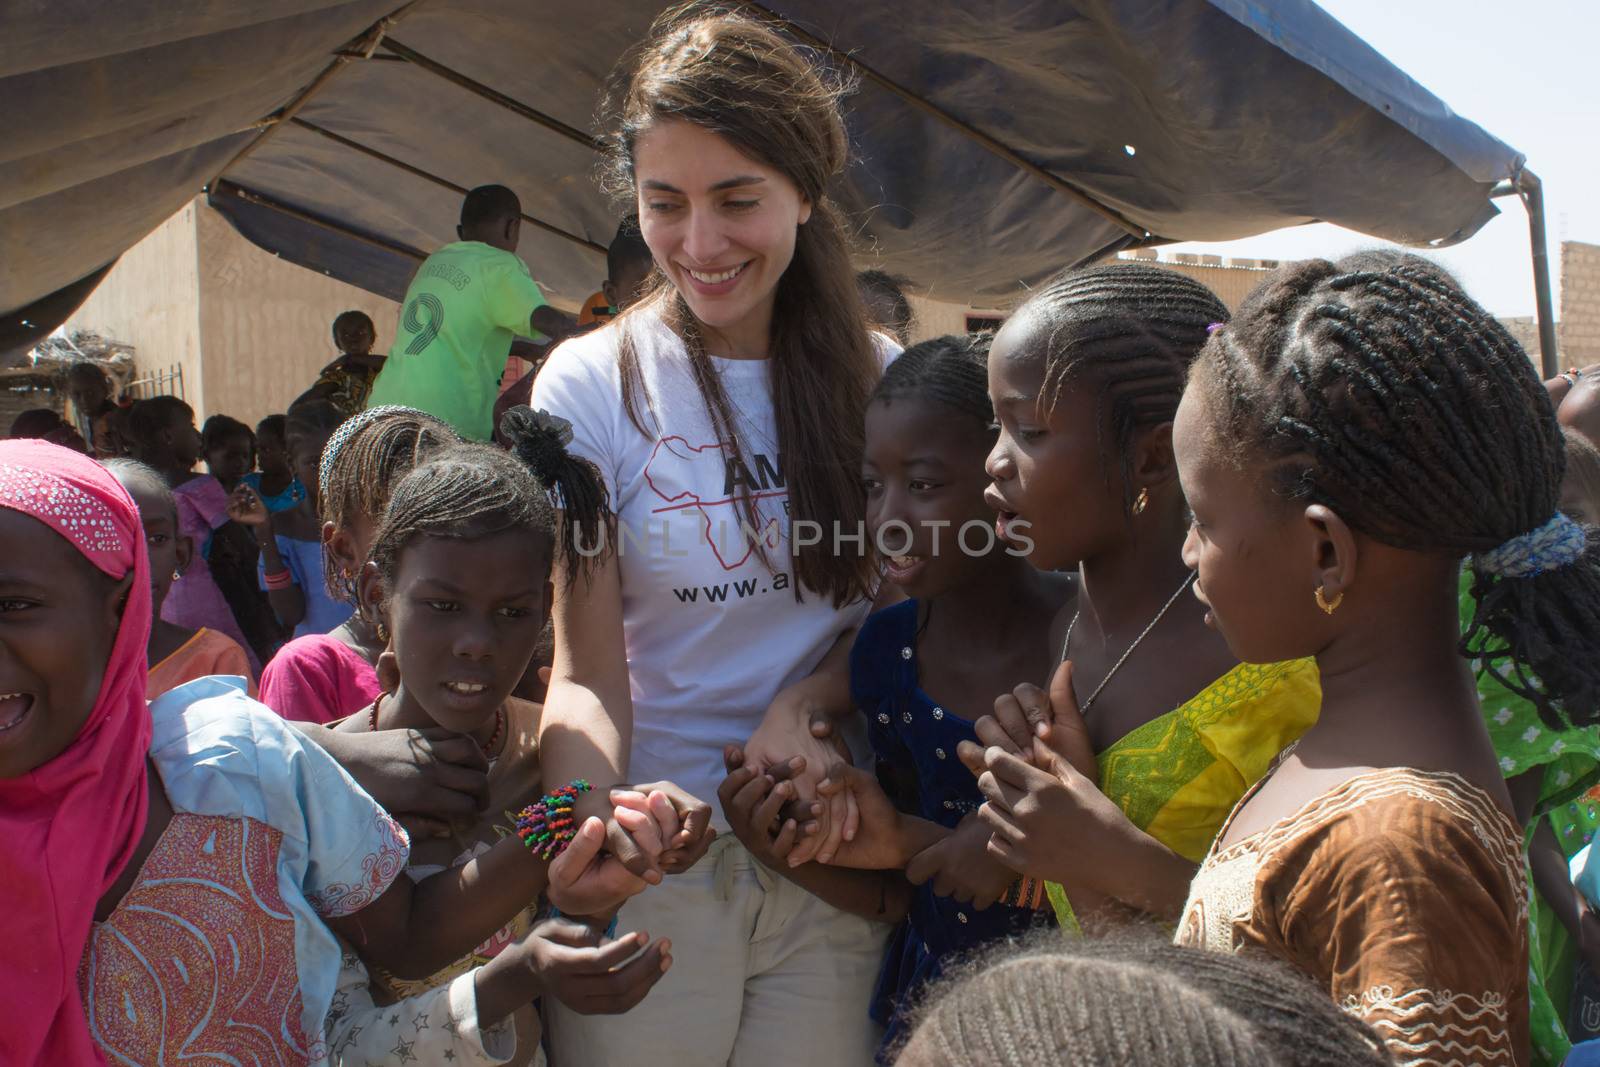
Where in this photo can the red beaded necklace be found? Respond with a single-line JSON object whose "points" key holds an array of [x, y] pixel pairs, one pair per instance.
{"points": [[488, 750]]}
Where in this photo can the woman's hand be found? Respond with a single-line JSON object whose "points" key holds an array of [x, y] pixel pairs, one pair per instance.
{"points": [[960, 866], [753, 804], [245, 506], [682, 822], [586, 881], [796, 724]]}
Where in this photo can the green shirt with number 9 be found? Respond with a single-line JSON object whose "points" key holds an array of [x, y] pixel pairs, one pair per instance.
{"points": [[464, 306]]}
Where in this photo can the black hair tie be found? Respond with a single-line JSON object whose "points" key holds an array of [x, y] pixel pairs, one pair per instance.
{"points": [[538, 439]]}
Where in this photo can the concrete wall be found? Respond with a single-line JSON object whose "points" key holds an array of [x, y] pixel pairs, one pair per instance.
{"points": [[151, 300], [265, 324], [1580, 304]]}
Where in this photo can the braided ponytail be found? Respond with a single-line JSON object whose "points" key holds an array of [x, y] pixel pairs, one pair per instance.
{"points": [[1377, 387], [540, 440]]}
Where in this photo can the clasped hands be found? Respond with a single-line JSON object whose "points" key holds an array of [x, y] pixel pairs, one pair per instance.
{"points": [[1043, 814]]}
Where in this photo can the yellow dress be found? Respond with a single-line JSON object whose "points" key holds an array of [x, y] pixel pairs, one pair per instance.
{"points": [[1179, 775]]}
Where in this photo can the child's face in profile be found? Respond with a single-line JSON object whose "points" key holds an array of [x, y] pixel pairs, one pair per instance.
{"points": [[305, 455], [464, 619], [1055, 476], [58, 621], [169, 550], [1242, 544]]}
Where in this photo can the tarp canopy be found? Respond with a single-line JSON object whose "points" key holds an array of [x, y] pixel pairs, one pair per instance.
{"points": [[997, 141]]}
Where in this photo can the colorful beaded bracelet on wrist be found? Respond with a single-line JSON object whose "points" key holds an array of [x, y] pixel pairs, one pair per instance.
{"points": [[1028, 893], [547, 827]]}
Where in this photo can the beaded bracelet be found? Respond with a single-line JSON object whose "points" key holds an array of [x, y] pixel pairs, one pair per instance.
{"points": [[1027, 893], [279, 580], [547, 827]]}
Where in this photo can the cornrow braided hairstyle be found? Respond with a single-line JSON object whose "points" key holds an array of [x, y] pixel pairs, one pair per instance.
{"points": [[469, 491], [951, 370], [1377, 387], [362, 461], [1129, 331], [1134, 999]]}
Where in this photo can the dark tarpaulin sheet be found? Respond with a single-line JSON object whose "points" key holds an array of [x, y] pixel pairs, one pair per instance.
{"points": [[1241, 117]]}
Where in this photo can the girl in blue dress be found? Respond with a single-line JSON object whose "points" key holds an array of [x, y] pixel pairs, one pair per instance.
{"points": [[976, 620]]}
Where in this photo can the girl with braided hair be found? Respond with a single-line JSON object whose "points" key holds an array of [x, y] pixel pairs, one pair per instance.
{"points": [[459, 575], [321, 677], [1115, 806], [977, 616], [1356, 432]]}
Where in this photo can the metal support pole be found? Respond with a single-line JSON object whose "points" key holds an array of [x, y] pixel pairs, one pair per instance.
{"points": [[1531, 191]]}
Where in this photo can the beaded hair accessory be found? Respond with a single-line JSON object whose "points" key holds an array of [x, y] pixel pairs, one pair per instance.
{"points": [[546, 827], [349, 428], [1558, 543]]}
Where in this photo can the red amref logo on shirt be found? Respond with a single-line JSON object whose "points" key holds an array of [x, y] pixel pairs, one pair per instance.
{"points": [[710, 479]]}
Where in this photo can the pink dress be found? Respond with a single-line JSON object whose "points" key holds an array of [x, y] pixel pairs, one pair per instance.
{"points": [[318, 678], [195, 601]]}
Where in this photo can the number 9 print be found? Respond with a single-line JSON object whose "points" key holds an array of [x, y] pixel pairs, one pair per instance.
{"points": [[413, 322]]}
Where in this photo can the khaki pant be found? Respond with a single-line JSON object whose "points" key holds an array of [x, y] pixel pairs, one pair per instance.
{"points": [[763, 975]]}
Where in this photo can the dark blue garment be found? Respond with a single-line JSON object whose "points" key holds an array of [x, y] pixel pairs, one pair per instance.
{"points": [[918, 737]]}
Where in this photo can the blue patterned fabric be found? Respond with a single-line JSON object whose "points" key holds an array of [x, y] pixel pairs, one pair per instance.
{"points": [[915, 735]]}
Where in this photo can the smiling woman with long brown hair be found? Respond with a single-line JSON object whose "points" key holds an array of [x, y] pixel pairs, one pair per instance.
{"points": [[725, 411]]}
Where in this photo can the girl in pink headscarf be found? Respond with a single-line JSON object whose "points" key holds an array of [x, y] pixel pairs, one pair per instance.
{"points": [[172, 875]]}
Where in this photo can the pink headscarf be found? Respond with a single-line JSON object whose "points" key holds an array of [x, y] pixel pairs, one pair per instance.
{"points": [[69, 827]]}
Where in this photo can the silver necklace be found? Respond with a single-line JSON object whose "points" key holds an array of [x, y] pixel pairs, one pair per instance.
{"points": [[1067, 644]]}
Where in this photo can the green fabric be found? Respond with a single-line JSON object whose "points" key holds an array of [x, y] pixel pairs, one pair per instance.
{"points": [[466, 303], [1571, 759]]}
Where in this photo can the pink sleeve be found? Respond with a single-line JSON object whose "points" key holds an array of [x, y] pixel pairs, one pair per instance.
{"points": [[300, 683], [206, 497]]}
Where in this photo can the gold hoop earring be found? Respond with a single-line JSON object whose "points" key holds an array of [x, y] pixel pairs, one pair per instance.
{"points": [[383, 633], [1328, 607], [1142, 501]]}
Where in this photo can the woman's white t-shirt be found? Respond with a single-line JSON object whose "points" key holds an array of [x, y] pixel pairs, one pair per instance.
{"points": [[712, 633]]}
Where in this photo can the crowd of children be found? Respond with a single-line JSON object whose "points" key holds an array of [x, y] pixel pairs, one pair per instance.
{"points": [[1164, 685]]}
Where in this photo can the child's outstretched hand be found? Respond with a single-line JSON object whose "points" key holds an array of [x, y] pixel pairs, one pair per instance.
{"points": [[574, 964], [960, 866], [245, 506], [753, 804], [586, 881]]}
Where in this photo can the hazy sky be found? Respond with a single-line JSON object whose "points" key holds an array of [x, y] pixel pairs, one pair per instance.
{"points": [[1524, 71]]}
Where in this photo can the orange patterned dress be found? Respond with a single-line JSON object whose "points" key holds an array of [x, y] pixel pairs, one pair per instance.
{"points": [[1402, 892]]}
